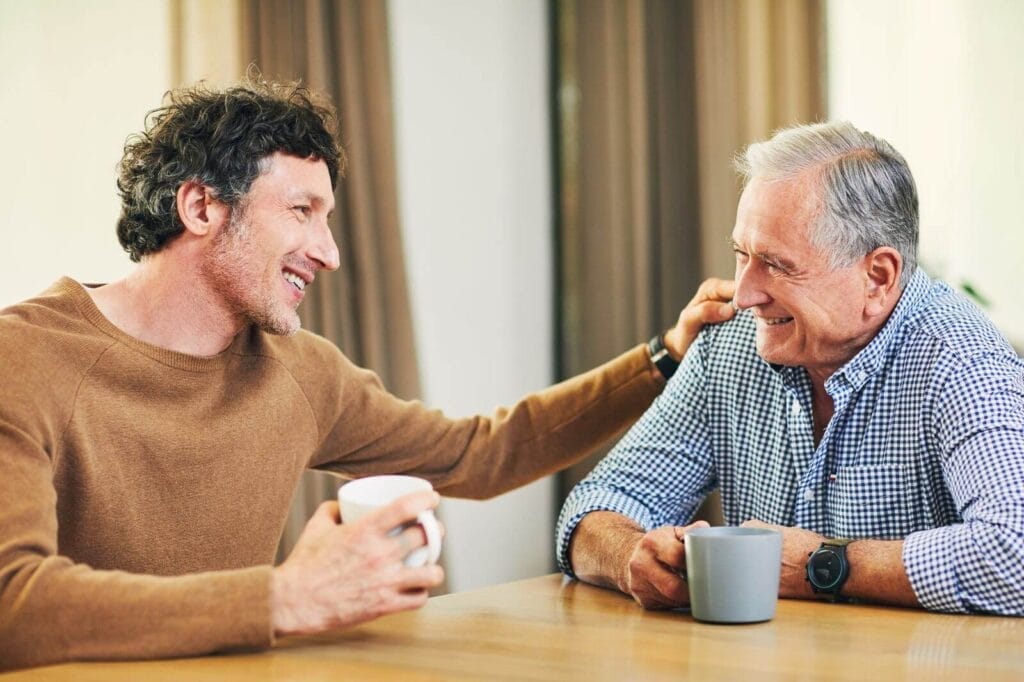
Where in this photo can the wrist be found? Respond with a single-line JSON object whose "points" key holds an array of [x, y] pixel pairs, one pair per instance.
{"points": [[283, 615], [675, 343], [828, 569], [661, 357]]}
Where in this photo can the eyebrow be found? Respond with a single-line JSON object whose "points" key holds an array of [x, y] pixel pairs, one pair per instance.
{"points": [[766, 256], [307, 196]]}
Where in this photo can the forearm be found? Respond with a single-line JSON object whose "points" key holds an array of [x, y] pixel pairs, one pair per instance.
{"points": [[479, 457], [53, 611], [877, 573], [601, 546]]}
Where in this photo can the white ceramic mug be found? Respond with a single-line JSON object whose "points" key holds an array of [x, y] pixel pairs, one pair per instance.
{"points": [[360, 497]]}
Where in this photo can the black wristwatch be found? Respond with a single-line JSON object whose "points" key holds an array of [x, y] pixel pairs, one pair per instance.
{"points": [[661, 358], [828, 569]]}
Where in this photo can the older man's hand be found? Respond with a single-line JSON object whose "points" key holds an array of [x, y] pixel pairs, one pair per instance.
{"points": [[652, 576]]}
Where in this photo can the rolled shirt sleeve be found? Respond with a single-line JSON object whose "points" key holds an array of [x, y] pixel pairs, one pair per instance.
{"points": [[977, 565], [659, 472]]}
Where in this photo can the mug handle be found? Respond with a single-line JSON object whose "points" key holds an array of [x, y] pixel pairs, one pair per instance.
{"points": [[432, 530]]}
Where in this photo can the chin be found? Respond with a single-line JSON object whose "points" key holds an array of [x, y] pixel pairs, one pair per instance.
{"points": [[285, 324], [776, 356]]}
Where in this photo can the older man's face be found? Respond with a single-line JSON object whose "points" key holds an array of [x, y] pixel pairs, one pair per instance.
{"points": [[806, 313]]}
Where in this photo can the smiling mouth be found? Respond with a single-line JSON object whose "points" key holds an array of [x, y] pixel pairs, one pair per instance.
{"points": [[295, 281], [774, 321]]}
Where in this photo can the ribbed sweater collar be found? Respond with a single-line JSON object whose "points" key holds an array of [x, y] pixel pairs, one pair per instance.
{"points": [[191, 363]]}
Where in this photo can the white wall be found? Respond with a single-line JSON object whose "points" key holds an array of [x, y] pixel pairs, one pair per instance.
{"points": [[77, 77], [942, 81], [470, 79], [470, 82]]}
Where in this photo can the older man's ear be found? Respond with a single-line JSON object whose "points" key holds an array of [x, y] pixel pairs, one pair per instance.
{"points": [[882, 270]]}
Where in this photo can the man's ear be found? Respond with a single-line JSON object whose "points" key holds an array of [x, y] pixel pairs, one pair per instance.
{"points": [[882, 270], [199, 210]]}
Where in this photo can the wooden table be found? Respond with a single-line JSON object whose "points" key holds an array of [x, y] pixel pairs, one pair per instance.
{"points": [[548, 628]]}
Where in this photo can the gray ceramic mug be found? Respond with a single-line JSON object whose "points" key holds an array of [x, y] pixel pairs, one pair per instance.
{"points": [[733, 573]]}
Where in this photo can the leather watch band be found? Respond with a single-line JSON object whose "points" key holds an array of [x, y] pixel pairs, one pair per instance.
{"points": [[661, 358]]}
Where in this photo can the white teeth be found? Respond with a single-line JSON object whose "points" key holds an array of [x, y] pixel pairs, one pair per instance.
{"points": [[299, 283], [771, 321]]}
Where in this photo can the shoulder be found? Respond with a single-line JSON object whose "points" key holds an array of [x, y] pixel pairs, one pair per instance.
{"points": [[315, 363], [729, 345], [955, 329], [722, 358], [49, 332], [47, 346], [949, 343]]}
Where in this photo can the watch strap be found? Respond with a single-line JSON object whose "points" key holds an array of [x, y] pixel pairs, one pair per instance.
{"points": [[837, 542], [661, 358]]}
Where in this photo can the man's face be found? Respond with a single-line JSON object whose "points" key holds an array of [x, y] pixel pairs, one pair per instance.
{"points": [[277, 240], [807, 314]]}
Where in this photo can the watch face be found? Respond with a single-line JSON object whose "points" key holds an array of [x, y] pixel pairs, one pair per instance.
{"points": [[825, 568]]}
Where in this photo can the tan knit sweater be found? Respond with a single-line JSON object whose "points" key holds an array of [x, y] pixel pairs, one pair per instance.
{"points": [[143, 491]]}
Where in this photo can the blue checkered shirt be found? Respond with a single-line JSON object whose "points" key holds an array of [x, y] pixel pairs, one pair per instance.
{"points": [[926, 445]]}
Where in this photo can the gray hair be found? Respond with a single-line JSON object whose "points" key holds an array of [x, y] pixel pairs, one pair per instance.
{"points": [[867, 194]]}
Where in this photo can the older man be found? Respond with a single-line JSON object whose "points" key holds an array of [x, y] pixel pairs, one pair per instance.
{"points": [[154, 430], [852, 398]]}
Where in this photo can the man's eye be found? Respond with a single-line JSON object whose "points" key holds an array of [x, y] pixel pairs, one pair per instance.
{"points": [[304, 210], [775, 269], [740, 256]]}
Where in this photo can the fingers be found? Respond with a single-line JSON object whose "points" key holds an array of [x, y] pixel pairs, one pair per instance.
{"points": [[710, 305], [402, 510], [654, 586], [409, 589], [654, 566], [665, 547], [694, 525], [410, 539], [419, 578], [708, 312], [714, 289]]}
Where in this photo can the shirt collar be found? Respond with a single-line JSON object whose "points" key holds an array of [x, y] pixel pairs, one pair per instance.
{"points": [[871, 358]]}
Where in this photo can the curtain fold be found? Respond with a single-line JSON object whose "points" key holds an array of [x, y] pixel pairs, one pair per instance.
{"points": [[340, 49], [654, 98]]}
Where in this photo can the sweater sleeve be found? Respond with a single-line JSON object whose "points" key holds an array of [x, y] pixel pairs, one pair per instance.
{"points": [[483, 456], [53, 609]]}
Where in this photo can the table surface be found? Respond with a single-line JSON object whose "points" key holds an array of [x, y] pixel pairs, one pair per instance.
{"points": [[550, 628]]}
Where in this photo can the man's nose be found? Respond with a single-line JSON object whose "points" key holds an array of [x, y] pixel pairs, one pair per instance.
{"points": [[324, 250], [749, 287]]}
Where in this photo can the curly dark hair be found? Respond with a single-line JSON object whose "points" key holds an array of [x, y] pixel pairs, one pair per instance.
{"points": [[218, 138]]}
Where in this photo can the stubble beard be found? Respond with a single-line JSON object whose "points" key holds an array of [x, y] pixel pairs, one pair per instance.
{"points": [[234, 272]]}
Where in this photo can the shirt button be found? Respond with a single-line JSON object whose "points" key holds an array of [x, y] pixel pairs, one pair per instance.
{"points": [[808, 495], [796, 407]]}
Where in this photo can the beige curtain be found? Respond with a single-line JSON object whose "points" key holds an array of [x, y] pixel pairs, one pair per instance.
{"points": [[654, 99], [339, 48]]}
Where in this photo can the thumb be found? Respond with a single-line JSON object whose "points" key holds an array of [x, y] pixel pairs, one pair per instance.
{"points": [[681, 531], [327, 514]]}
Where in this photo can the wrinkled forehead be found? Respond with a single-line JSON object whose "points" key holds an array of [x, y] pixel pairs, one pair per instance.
{"points": [[777, 216], [795, 202]]}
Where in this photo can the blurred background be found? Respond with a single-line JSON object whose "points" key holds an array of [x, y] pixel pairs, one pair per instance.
{"points": [[535, 185]]}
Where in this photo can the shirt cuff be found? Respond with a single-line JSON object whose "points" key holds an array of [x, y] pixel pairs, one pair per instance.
{"points": [[928, 560], [578, 506]]}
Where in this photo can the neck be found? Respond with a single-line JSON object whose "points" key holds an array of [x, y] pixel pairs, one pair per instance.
{"points": [[166, 302]]}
